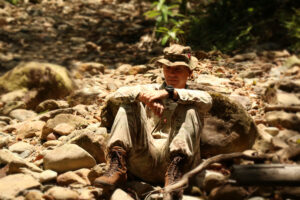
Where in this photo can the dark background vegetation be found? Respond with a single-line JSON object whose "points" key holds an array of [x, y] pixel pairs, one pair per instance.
{"points": [[230, 26], [235, 25]]}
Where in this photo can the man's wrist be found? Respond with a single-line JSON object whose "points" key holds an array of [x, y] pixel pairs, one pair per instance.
{"points": [[170, 90]]}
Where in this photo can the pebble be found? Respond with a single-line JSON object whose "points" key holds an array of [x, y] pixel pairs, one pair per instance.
{"points": [[272, 130]]}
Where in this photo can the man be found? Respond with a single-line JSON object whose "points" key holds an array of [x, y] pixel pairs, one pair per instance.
{"points": [[156, 132]]}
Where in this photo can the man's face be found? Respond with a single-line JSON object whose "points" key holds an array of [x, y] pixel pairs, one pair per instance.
{"points": [[176, 76]]}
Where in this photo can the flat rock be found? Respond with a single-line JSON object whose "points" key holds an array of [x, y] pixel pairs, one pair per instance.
{"points": [[87, 95], [12, 185], [15, 162], [284, 119], [92, 143], [70, 178], [30, 129], [287, 99], [44, 176], [243, 100], [22, 114], [68, 157], [61, 193], [72, 120], [20, 147], [63, 129], [34, 195], [51, 104]]}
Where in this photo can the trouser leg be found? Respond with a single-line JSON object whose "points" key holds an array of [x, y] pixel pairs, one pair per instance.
{"points": [[130, 129], [185, 134]]}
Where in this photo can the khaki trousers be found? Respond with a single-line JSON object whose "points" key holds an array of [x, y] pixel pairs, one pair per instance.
{"points": [[148, 158]]}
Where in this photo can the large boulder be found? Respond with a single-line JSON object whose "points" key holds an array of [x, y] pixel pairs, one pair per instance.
{"points": [[43, 80], [68, 157], [227, 127]]}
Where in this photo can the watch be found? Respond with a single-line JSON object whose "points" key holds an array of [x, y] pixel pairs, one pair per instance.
{"points": [[170, 90]]}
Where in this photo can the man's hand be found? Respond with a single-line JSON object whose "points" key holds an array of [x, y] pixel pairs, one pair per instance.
{"points": [[154, 95], [157, 108], [153, 100]]}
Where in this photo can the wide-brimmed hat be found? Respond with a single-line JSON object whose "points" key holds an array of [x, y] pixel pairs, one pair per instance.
{"points": [[178, 55]]}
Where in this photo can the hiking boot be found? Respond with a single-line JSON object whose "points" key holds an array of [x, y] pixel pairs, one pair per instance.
{"points": [[174, 174], [117, 173]]}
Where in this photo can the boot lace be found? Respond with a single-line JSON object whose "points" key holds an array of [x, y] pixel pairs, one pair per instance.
{"points": [[115, 162]]}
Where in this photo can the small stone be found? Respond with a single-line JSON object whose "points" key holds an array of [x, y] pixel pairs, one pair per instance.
{"points": [[34, 195], [257, 198], [272, 130], [51, 104], [212, 179], [90, 193], [287, 99], [30, 129], [244, 57], [138, 69], [2, 124], [20, 147], [83, 173], [61, 193], [73, 120], [51, 137], [47, 175], [228, 192], [22, 114], [263, 134], [5, 119], [63, 129], [68, 157], [70, 178], [279, 143], [12, 185], [123, 69], [4, 139], [97, 171], [284, 119], [52, 143], [120, 194]]}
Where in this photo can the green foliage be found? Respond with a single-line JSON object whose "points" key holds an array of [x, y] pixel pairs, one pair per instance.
{"points": [[14, 2], [169, 21], [292, 24], [229, 25]]}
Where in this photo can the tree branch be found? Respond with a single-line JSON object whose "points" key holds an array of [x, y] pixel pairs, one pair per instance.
{"points": [[183, 182]]}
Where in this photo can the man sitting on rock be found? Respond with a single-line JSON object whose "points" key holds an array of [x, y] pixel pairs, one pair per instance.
{"points": [[156, 132]]}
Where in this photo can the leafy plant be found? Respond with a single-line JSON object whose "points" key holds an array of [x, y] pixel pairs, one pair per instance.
{"points": [[13, 1], [169, 21]]}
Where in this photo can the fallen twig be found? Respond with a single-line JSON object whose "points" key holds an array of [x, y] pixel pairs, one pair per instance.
{"points": [[183, 182], [280, 107]]}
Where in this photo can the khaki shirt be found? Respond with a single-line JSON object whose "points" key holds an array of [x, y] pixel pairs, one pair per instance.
{"points": [[161, 126]]}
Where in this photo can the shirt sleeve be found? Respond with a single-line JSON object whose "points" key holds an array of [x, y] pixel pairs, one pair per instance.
{"points": [[129, 94], [200, 98]]}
